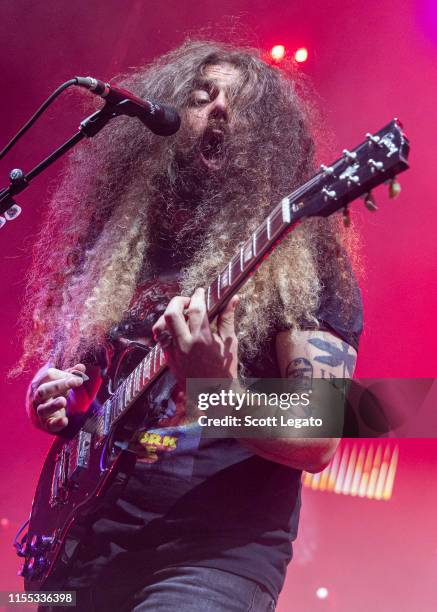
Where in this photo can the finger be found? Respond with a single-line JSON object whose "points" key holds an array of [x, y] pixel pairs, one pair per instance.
{"points": [[79, 370], [55, 423], [159, 327], [80, 367], [56, 388], [226, 319], [175, 319], [48, 408], [165, 339], [197, 316], [162, 335]]}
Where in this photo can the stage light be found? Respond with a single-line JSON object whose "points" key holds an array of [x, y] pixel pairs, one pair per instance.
{"points": [[301, 55], [360, 470], [277, 52], [322, 593]]}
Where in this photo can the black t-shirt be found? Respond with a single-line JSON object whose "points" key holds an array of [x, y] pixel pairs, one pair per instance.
{"points": [[206, 502]]}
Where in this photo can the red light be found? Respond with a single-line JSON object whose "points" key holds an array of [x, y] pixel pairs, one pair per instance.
{"points": [[301, 55], [278, 53]]}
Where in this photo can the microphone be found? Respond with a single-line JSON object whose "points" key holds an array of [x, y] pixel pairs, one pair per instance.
{"points": [[160, 119]]}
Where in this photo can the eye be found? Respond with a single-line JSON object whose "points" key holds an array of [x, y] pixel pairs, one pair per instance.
{"points": [[200, 97]]}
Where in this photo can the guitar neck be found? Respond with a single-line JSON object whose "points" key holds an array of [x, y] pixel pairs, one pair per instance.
{"points": [[279, 222], [376, 160]]}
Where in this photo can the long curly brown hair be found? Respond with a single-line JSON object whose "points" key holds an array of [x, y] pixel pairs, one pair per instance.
{"points": [[120, 189]]}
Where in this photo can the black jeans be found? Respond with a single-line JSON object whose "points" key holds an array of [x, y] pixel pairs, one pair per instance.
{"points": [[178, 589]]}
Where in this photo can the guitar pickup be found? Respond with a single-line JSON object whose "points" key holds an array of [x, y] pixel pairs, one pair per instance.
{"points": [[79, 454]]}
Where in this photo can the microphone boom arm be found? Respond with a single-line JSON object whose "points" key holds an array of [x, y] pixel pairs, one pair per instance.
{"points": [[88, 128]]}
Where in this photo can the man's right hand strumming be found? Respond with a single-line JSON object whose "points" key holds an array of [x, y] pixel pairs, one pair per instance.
{"points": [[49, 391]]}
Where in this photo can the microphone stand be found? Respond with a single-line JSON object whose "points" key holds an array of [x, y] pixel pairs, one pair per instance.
{"points": [[19, 181]]}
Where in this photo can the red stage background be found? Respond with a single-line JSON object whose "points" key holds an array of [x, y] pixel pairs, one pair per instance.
{"points": [[370, 61]]}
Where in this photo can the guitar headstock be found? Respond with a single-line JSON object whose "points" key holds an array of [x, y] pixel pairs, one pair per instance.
{"points": [[377, 160]]}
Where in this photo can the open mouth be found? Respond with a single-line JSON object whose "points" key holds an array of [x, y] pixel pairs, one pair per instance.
{"points": [[212, 148]]}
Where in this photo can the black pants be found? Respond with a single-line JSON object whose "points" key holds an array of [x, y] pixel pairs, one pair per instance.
{"points": [[178, 589]]}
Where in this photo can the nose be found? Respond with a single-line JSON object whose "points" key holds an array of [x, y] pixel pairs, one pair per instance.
{"points": [[219, 108]]}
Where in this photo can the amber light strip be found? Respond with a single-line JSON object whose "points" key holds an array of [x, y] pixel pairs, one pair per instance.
{"points": [[359, 469]]}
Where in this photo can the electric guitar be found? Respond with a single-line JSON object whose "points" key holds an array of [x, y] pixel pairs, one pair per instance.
{"points": [[84, 473]]}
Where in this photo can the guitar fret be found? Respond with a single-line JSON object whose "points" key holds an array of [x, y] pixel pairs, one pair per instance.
{"points": [[141, 378], [128, 392], [230, 273], [147, 368], [133, 384], [136, 380], [241, 259], [155, 355], [119, 401], [254, 243], [151, 362], [112, 411], [123, 398], [218, 283], [269, 231], [141, 375]]}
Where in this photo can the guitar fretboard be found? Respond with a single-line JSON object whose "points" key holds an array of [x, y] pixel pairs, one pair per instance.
{"points": [[224, 286]]}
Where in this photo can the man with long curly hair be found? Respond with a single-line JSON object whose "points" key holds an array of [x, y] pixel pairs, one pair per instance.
{"points": [[137, 229]]}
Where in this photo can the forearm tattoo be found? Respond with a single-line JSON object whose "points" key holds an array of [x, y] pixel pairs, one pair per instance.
{"points": [[301, 371], [335, 355]]}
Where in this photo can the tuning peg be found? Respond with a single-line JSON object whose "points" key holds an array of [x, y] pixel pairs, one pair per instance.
{"points": [[329, 194], [326, 169], [369, 202], [2, 221], [346, 216], [394, 188], [372, 138], [12, 212], [351, 155], [375, 165]]}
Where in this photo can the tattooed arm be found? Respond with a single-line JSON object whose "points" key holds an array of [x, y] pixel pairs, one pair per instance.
{"points": [[304, 356]]}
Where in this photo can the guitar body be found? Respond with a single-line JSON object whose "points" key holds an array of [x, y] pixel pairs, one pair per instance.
{"points": [[80, 477], [56, 526], [83, 474]]}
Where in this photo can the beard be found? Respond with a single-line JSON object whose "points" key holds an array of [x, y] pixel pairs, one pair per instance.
{"points": [[201, 177]]}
